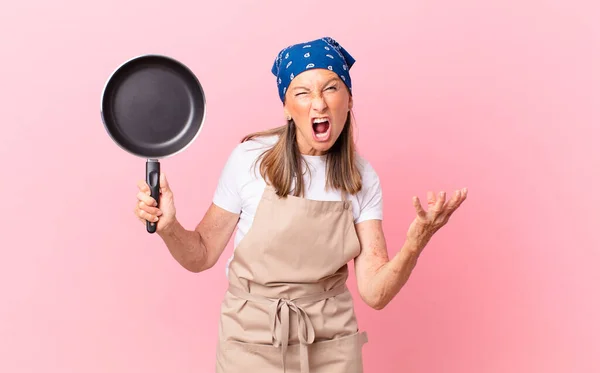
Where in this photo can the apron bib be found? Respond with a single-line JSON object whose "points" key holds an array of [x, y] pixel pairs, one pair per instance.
{"points": [[287, 308]]}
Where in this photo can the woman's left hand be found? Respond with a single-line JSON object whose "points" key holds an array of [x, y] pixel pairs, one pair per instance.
{"points": [[437, 215]]}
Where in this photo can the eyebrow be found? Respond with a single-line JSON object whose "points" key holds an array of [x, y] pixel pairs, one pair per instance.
{"points": [[336, 79]]}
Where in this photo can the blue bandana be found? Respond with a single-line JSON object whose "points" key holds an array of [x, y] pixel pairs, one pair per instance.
{"points": [[324, 53]]}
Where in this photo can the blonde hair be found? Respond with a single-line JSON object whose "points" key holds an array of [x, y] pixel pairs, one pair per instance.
{"points": [[281, 165]]}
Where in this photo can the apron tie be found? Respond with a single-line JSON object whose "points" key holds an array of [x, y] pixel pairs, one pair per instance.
{"points": [[279, 315]]}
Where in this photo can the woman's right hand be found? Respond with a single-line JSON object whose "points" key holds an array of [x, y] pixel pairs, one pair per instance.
{"points": [[147, 210]]}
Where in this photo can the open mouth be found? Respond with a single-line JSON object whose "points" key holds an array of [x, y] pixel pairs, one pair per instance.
{"points": [[321, 128]]}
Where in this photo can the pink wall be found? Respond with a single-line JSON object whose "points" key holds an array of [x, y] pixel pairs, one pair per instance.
{"points": [[497, 96]]}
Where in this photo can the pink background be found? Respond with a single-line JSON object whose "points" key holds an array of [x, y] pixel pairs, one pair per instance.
{"points": [[497, 96]]}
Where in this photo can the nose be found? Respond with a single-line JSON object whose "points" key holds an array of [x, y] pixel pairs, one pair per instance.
{"points": [[318, 103]]}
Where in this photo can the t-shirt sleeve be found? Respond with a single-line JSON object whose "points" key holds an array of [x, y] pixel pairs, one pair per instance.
{"points": [[227, 193], [371, 196]]}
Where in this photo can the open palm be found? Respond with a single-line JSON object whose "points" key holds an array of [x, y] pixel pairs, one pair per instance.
{"points": [[437, 215]]}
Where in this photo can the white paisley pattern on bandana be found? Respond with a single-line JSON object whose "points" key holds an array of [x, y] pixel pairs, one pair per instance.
{"points": [[295, 59]]}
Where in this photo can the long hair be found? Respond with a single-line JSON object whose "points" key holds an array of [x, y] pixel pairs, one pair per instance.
{"points": [[282, 163]]}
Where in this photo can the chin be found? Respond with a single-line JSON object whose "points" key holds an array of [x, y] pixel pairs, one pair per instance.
{"points": [[322, 147]]}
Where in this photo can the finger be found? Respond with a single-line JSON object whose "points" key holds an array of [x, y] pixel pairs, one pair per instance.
{"points": [[164, 183], [452, 203], [440, 202], [456, 201], [146, 216], [462, 197], [149, 209], [137, 215], [141, 215], [417, 204], [430, 198], [147, 199], [143, 187]]}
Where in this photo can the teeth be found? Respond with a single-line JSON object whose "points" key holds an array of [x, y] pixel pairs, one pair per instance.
{"points": [[319, 120]]}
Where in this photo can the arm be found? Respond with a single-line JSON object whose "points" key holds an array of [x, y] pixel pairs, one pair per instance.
{"points": [[198, 250], [379, 279]]}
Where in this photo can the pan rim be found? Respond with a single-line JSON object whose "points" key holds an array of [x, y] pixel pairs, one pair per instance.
{"points": [[120, 67]]}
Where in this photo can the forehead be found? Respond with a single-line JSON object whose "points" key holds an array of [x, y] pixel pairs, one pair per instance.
{"points": [[313, 77]]}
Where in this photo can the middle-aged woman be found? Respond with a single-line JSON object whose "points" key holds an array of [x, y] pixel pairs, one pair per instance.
{"points": [[303, 205]]}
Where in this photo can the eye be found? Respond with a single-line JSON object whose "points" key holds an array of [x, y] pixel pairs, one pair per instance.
{"points": [[301, 93], [331, 88]]}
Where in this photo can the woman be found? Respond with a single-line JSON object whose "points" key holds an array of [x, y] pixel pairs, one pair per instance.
{"points": [[304, 204]]}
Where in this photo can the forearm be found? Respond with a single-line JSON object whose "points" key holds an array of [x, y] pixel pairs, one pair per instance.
{"points": [[186, 246], [389, 279]]}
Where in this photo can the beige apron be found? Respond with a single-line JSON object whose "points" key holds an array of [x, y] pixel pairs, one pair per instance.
{"points": [[288, 308]]}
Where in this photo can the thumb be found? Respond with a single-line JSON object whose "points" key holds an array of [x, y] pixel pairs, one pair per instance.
{"points": [[164, 184]]}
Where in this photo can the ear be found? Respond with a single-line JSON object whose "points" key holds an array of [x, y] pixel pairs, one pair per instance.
{"points": [[350, 103], [288, 116]]}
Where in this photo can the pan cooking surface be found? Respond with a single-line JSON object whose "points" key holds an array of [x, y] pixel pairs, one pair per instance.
{"points": [[153, 107]]}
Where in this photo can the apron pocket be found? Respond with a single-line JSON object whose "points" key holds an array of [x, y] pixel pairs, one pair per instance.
{"points": [[241, 357], [342, 354]]}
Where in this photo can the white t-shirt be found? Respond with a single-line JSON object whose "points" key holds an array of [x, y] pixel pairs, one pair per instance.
{"points": [[241, 186]]}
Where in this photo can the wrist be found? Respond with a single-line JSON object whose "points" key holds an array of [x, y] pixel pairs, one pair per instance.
{"points": [[409, 252], [170, 229], [405, 260], [412, 246]]}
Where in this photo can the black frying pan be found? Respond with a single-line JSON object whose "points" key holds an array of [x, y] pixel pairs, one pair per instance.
{"points": [[153, 107]]}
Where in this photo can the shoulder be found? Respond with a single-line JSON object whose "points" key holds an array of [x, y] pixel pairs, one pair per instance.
{"points": [[251, 149], [239, 172], [367, 171], [370, 197], [245, 154]]}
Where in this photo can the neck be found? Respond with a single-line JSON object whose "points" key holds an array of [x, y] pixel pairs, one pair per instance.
{"points": [[306, 149]]}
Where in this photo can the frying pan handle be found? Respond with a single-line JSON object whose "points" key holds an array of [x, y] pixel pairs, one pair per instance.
{"points": [[153, 181]]}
